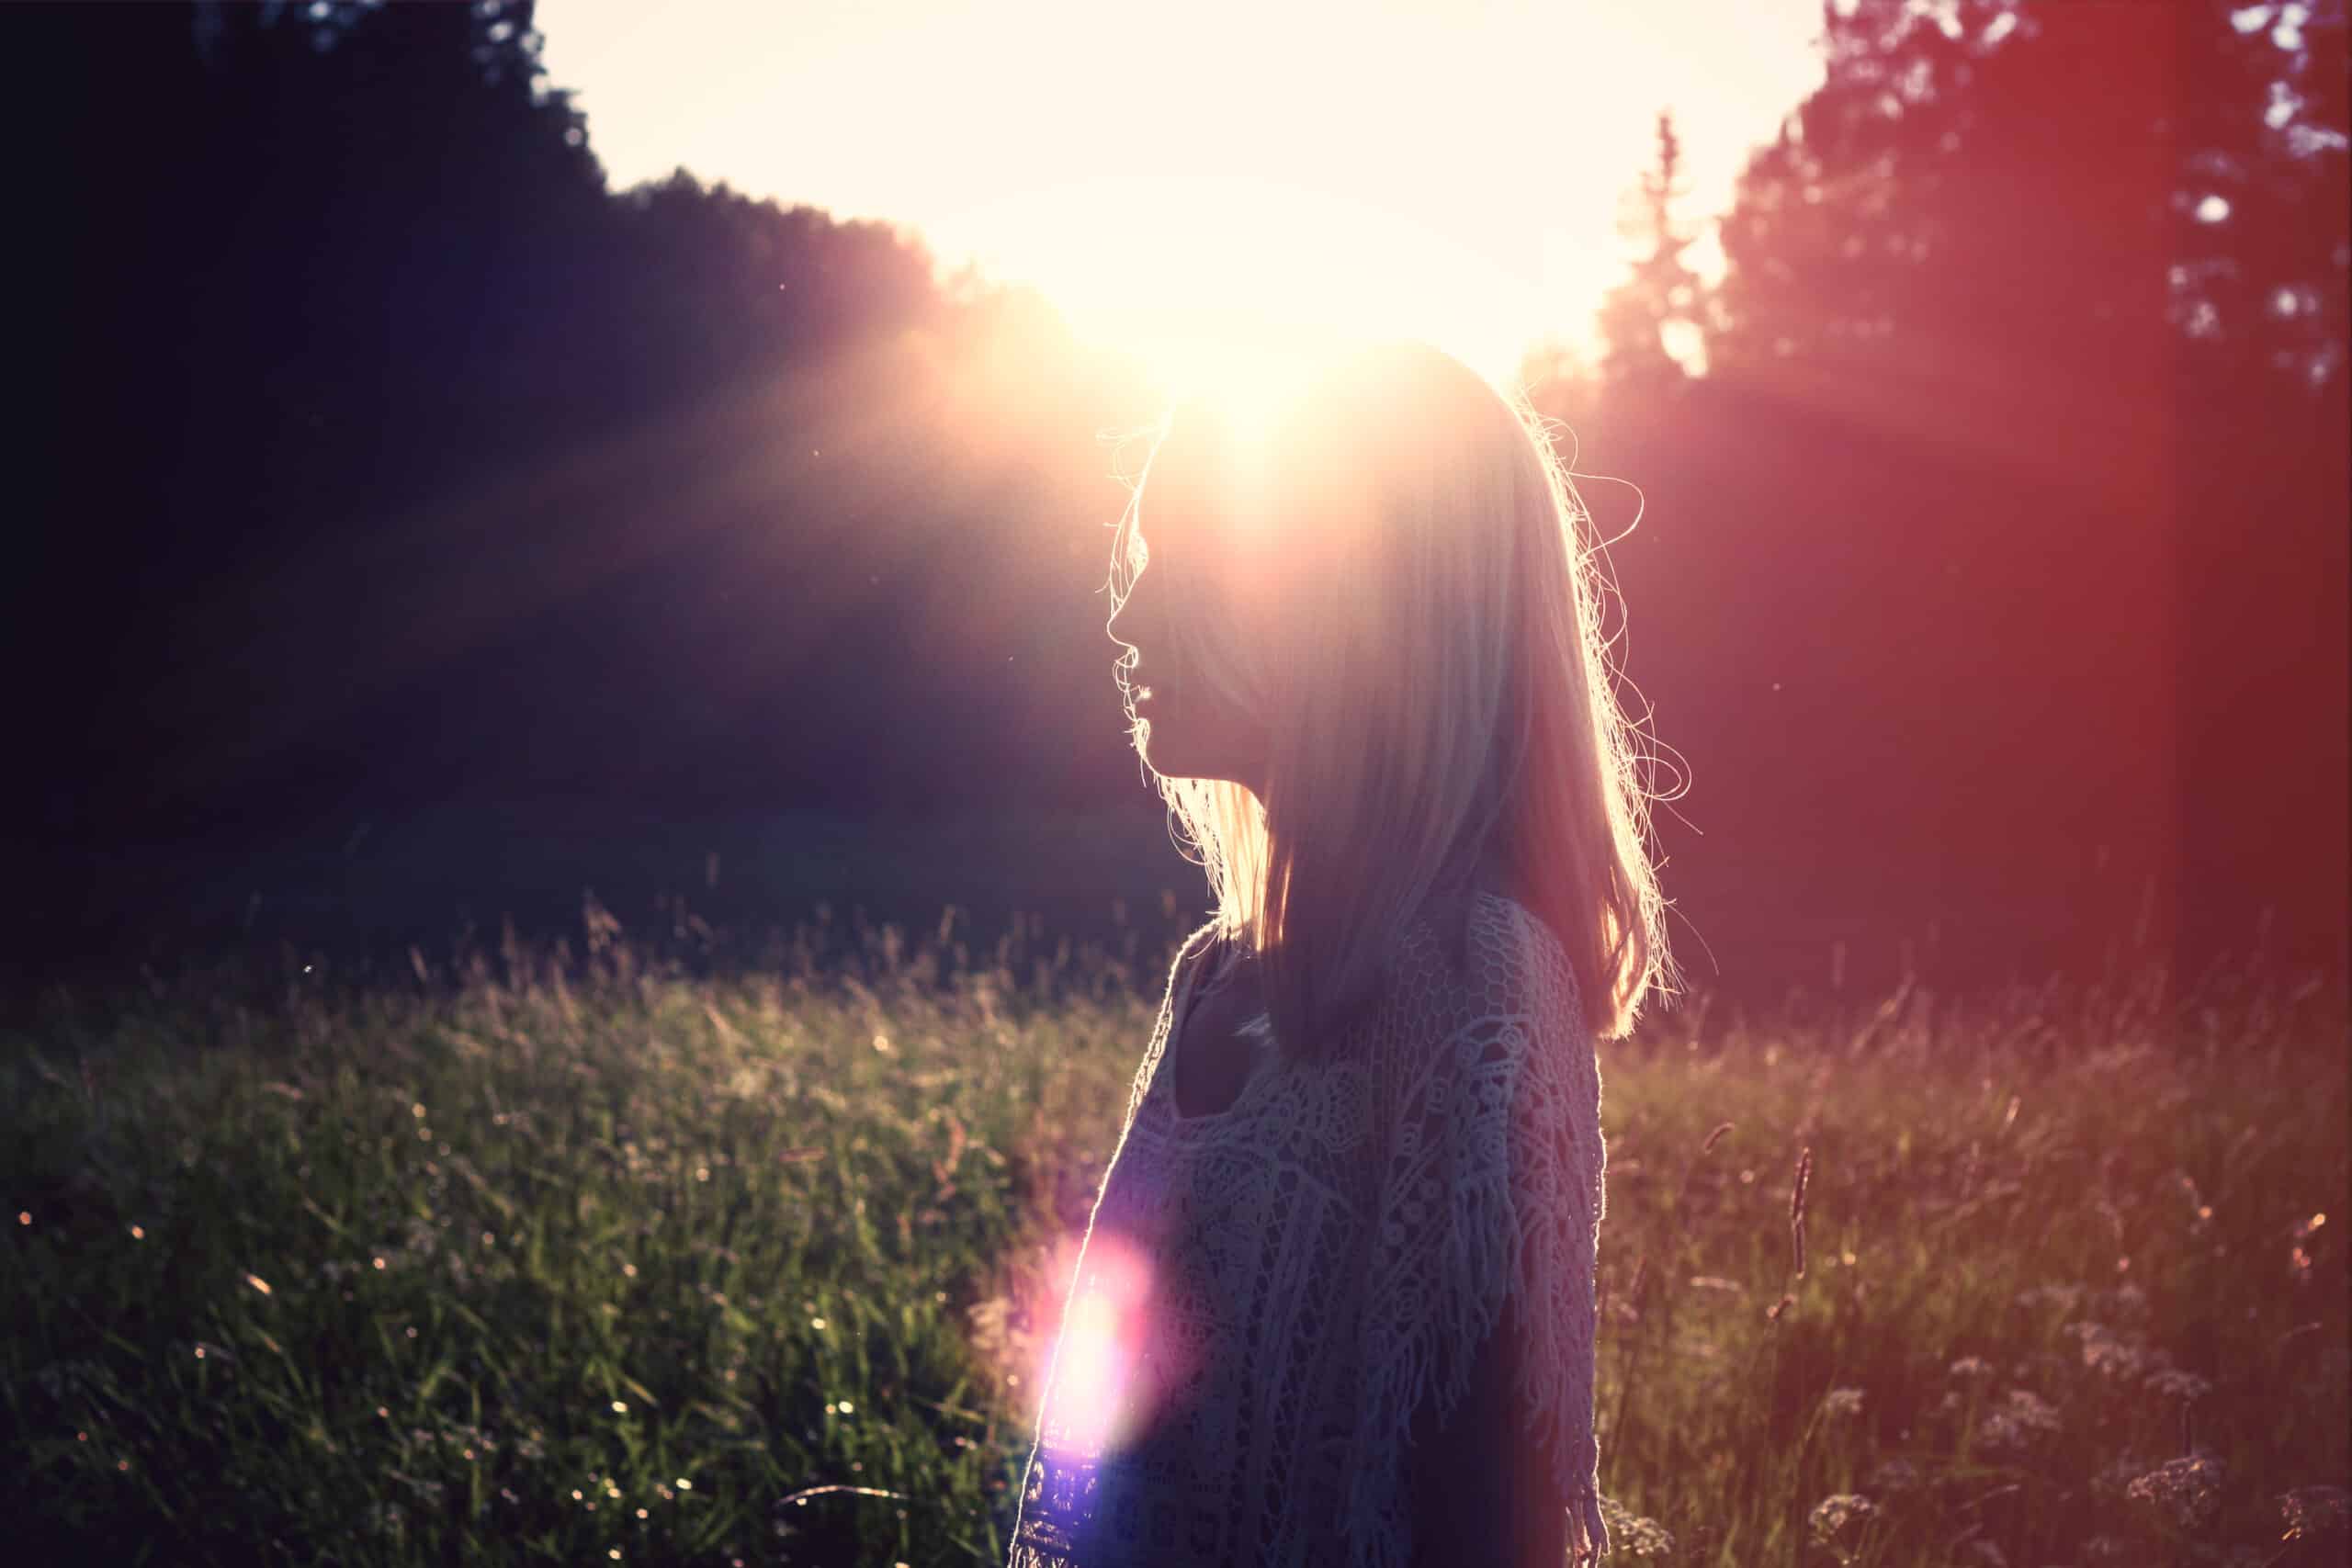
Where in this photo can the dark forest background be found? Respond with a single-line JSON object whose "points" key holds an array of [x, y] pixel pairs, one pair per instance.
{"points": [[377, 465]]}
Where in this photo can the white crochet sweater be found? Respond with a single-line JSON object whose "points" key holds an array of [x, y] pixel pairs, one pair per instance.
{"points": [[1265, 1293]]}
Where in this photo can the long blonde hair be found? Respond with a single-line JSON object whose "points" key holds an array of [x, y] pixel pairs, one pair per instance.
{"points": [[1415, 613]]}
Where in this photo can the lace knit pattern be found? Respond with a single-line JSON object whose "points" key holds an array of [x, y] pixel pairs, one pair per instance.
{"points": [[1266, 1294]]}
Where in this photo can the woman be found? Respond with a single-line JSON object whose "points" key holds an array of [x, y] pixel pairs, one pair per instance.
{"points": [[1336, 1300]]}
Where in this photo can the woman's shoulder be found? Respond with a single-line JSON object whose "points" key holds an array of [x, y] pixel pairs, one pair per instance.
{"points": [[1202, 941], [1467, 956], [1464, 933]]}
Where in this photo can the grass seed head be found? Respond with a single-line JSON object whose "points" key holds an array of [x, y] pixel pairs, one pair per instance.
{"points": [[1796, 1206]]}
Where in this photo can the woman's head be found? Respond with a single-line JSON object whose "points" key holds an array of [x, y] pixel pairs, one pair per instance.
{"points": [[1197, 621], [1370, 633]]}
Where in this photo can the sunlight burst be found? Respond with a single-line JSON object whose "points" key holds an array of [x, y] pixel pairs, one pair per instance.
{"points": [[1241, 281]]}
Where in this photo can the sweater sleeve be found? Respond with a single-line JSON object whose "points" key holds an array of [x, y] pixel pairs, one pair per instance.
{"points": [[1491, 1195]]}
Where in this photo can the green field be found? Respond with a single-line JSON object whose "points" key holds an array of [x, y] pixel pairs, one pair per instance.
{"points": [[569, 1255]]}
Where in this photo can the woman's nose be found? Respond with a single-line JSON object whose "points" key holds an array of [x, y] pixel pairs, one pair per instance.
{"points": [[1127, 622]]}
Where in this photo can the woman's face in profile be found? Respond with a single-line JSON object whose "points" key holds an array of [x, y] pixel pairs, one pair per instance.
{"points": [[1188, 731]]}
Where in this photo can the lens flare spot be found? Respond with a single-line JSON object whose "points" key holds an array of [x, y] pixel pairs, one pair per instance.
{"points": [[1109, 1372]]}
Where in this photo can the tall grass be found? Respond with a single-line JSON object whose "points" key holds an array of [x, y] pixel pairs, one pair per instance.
{"points": [[582, 1257]]}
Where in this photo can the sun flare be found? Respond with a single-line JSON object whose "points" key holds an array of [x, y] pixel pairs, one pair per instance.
{"points": [[1242, 284], [1248, 365]]}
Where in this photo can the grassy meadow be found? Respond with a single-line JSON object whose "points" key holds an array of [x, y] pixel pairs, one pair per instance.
{"points": [[570, 1255]]}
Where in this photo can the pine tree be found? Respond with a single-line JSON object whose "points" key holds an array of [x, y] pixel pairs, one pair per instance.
{"points": [[1643, 317]]}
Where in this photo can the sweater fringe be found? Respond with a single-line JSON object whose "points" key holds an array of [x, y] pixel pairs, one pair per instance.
{"points": [[1588, 1531]]}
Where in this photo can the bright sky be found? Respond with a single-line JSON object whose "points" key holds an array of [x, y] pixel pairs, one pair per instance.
{"points": [[1451, 170]]}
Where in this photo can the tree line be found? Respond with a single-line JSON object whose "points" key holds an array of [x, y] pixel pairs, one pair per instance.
{"points": [[1998, 561], [378, 452]]}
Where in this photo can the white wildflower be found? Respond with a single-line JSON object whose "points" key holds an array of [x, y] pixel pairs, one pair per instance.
{"points": [[2188, 1490], [1631, 1534], [1833, 1514], [1896, 1475], [2021, 1417]]}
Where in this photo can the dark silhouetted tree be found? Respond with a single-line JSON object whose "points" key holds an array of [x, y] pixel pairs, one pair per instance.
{"points": [[2054, 364], [319, 280]]}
